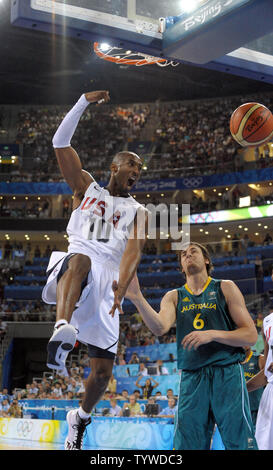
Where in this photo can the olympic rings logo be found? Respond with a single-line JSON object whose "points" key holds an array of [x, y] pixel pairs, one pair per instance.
{"points": [[24, 428], [193, 182]]}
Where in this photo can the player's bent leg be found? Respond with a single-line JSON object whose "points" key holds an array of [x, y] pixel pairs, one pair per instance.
{"points": [[70, 284]]}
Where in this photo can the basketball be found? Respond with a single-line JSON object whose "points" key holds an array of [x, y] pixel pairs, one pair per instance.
{"points": [[251, 124]]}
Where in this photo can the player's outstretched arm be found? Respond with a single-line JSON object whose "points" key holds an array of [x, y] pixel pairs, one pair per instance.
{"points": [[158, 323], [130, 258], [67, 157], [259, 380]]}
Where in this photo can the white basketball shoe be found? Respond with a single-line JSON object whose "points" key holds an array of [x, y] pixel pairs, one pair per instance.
{"points": [[60, 344], [76, 429]]}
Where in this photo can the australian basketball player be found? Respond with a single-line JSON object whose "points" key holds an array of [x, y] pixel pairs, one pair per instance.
{"points": [[212, 328]]}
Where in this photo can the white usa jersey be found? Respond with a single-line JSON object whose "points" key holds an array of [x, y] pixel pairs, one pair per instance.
{"points": [[101, 224], [268, 333]]}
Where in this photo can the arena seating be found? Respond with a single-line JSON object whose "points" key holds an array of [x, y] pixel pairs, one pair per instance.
{"points": [[164, 271]]}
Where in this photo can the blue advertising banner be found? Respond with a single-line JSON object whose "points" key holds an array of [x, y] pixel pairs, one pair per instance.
{"points": [[188, 182], [47, 409], [153, 352]]}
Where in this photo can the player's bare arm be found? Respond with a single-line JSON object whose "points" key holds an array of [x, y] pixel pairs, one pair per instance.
{"points": [[259, 380], [244, 335], [67, 157], [158, 323], [130, 259]]}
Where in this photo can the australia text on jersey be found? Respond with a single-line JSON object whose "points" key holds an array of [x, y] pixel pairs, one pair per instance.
{"points": [[201, 306]]}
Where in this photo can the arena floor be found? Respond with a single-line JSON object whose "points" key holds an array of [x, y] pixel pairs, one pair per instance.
{"points": [[17, 444]]}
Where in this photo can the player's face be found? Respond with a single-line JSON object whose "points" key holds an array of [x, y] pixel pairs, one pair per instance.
{"points": [[192, 260], [128, 172]]}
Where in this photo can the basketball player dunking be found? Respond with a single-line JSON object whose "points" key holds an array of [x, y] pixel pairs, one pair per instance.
{"points": [[90, 281]]}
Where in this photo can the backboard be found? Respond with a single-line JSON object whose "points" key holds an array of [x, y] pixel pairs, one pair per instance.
{"points": [[234, 36]]}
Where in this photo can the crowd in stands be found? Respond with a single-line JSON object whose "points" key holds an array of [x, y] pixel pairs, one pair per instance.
{"points": [[196, 136], [41, 207], [18, 258], [146, 400], [133, 333], [25, 208], [71, 387], [101, 133], [189, 138]]}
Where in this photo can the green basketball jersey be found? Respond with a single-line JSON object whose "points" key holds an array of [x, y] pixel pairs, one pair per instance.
{"points": [[206, 311]]}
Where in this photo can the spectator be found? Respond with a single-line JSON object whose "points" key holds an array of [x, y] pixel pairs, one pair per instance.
{"points": [[143, 371], [267, 239], [148, 388], [3, 327], [134, 359], [137, 394], [14, 410], [33, 388], [120, 360], [132, 407], [161, 370], [259, 321], [158, 395], [124, 395], [170, 393], [85, 360], [4, 407], [115, 409], [170, 410], [112, 385], [151, 408], [57, 390]]}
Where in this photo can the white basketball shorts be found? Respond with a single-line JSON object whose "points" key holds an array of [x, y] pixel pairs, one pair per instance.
{"points": [[264, 423], [91, 316]]}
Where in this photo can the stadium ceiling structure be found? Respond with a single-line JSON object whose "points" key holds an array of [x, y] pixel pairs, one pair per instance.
{"points": [[38, 68]]}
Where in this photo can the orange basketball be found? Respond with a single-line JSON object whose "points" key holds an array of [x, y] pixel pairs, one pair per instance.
{"points": [[251, 124]]}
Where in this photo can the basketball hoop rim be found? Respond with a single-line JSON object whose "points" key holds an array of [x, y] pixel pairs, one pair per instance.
{"points": [[145, 60]]}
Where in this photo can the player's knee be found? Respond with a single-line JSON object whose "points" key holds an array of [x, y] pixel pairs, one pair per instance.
{"points": [[102, 377]]}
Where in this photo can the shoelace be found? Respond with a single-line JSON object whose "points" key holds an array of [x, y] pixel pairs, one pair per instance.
{"points": [[80, 428]]}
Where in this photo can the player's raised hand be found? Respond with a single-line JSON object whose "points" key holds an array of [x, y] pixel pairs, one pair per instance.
{"points": [[101, 96]]}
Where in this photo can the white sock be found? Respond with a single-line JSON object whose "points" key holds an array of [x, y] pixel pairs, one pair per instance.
{"points": [[59, 323], [83, 414]]}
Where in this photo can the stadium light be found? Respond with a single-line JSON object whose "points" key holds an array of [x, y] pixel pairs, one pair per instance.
{"points": [[104, 46], [189, 5]]}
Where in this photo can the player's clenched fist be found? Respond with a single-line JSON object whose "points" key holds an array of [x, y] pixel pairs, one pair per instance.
{"points": [[101, 96]]}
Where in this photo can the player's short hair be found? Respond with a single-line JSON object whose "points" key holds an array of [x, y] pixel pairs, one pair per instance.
{"points": [[206, 255], [119, 157]]}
